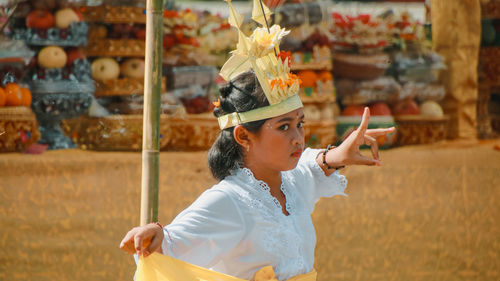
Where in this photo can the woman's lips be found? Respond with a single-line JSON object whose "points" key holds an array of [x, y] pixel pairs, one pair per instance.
{"points": [[297, 153]]}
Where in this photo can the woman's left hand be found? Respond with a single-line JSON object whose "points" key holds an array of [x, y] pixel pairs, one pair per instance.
{"points": [[348, 152]]}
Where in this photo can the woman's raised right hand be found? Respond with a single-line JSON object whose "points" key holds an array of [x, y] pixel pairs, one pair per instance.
{"points": [[143, 240]]}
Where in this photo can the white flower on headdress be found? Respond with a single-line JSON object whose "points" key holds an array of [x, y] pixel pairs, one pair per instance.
{"points": [[263, 41]]}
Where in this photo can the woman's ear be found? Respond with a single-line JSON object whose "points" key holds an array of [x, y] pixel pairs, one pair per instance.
{"points": [[241, 135]]}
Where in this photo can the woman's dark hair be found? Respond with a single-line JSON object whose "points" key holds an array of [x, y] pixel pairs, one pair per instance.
{"points": [[242, 94]]}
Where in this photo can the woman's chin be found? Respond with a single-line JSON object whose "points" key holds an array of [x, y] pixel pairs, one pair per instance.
{"points": [[292, 164]]}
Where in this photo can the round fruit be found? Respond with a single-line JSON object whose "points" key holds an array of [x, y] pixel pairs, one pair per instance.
{"points": [[353, 110], [65, 17], [105, 69], [40, 19], [380, 109], [25, 96], [431, 108], [133, 68], [406, 107], [325, 76], [74, 54], [52, 57], [14, 95], [3, 97], [308, 77]]}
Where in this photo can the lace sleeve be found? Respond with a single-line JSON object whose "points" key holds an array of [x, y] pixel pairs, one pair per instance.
{"points": [[207, 229], [314, 183]]}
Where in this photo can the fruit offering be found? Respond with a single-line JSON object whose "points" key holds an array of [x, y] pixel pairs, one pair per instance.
{"points": [[44, 25], [431, 108], [180, 29], [132, 68], [105, 68], [64, 17], [40, 19], [15, 95], [74, 54], [3, 97], [380, 109], [406, 107], [362, 32], [52, 57], [353, 110]]}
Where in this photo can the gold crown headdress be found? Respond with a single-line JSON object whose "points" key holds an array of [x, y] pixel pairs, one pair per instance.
{"points": [[260, 52]]}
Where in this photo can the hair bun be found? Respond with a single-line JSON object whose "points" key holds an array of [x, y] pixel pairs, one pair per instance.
{"points": [[226, 90]]}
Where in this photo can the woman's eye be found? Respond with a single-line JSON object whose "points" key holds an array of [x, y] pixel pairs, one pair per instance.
{"points": [[301, 124], [284, 127]]}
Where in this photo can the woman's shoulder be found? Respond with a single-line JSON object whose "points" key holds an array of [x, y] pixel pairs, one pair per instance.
{"points": [[224, 193], [233, 184], [217, 201], [218, 193]]}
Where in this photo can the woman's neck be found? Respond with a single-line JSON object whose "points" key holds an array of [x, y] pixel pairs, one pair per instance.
{"points": [[273, 179]]}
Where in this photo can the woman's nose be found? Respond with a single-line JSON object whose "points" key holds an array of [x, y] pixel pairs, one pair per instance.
{"points": [[298, 137]]}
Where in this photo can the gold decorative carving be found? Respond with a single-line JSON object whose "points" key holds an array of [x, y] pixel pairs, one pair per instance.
{"points": [[122, 86], [18, 129], [114, 14], [417, 129], [115, 48]]}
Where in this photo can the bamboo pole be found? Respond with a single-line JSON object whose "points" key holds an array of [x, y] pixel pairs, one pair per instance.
{"points": [[151, 115]]}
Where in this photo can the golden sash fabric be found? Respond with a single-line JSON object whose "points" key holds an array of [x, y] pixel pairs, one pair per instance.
{"points": [[158, 267]]}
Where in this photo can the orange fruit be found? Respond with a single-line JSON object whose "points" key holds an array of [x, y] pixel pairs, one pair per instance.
{"points": [[26, 97], [308, 77], [14, 95], [325, 76], [3, 97]]}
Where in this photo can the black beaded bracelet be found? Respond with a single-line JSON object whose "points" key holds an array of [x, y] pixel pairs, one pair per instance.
{"points": [[324, 158]]}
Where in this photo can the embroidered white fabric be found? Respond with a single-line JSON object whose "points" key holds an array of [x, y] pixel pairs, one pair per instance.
{"points": [[237, 227]]}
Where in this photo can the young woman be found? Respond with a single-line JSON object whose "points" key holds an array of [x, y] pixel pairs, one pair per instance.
{"points": [[259, 214]]}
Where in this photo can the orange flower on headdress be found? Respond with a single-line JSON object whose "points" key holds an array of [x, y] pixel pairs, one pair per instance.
{"points": [[292, 79], [216, 103]]}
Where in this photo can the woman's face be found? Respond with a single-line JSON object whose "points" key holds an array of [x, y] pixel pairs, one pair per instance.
{"points": [[280, 142]]}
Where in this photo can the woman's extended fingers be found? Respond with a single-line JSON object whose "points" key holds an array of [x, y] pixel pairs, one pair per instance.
{"points": [[360, 159], [373, 147], [364, 121], [379, 132]]}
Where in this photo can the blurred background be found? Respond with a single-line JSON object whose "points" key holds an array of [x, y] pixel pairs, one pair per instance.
{"points": [[71, 115]]}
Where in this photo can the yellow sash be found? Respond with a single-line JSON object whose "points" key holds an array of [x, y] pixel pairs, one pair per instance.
{"points": [[158, 267]]}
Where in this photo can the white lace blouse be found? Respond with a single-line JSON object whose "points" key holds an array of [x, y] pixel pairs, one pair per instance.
{"points": [[236, 227]]}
